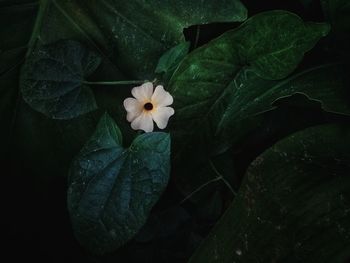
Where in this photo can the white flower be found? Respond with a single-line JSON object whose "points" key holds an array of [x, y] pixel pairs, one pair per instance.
{"points": [[148, 106]]}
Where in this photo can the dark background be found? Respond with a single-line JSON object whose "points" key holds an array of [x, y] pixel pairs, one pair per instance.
{"points": [[37, 224]]}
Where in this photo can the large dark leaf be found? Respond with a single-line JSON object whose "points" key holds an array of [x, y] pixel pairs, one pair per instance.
{"points": [[52, 79], [293, 205], [133, 34], [112, 189], [225, 81], [267, 46]]}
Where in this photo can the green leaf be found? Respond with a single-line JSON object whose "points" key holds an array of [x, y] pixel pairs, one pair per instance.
{"points": [[171, 59], [293, 204], [52, 79], [269, 45], [133, 34], [249, 95], [48, 145], [254, 117], [112, 189], [259, 132], [237, 67], [76, 20]]}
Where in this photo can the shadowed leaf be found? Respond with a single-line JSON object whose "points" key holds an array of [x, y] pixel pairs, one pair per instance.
{"points": [[52, 79], [293, 204]]}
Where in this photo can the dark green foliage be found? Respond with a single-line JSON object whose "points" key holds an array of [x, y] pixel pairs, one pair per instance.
{"points": [[234, 77], [171, 59], [260, 135], [52, 79], [112, 189], [132, 34], [268, 46], [315, 83], [293, 204]]}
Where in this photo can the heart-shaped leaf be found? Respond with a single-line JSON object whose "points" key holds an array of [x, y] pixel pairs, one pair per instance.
{"points": [[269, 45], [213, 78], [52, 79], [112, 189], [293, 204]]}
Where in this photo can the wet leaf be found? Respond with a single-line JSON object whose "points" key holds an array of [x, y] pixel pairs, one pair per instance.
{"points": [[52, 79], [293, 200], [112, 189]]}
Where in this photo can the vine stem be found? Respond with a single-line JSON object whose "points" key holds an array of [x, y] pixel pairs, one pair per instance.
{"points": [[200, 188], [220, 177], [121, 82], [43, 6]]}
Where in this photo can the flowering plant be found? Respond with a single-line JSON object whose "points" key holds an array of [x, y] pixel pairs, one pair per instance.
{"points": [[170, 130]]}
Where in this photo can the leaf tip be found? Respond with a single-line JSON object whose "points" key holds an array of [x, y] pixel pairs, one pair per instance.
{"points": [[322, 29], [107, 122]]}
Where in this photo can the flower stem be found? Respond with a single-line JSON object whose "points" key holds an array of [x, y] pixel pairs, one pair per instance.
{"points": [[120, 82]]}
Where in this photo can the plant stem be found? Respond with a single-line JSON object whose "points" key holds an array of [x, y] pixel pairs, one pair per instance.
{"points": [[219, 177], [121, 82], [43, 6], [222, 178], [200, 188]]}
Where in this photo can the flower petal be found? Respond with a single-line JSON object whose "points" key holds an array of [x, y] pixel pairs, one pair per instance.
{"points": [[133, 108], [161, 97], [161, 116], [131, 105], [130, 116], [144, 92], [143, 122]]}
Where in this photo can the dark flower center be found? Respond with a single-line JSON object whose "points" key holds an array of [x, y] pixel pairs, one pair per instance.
{"points": [[148, 106]]}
